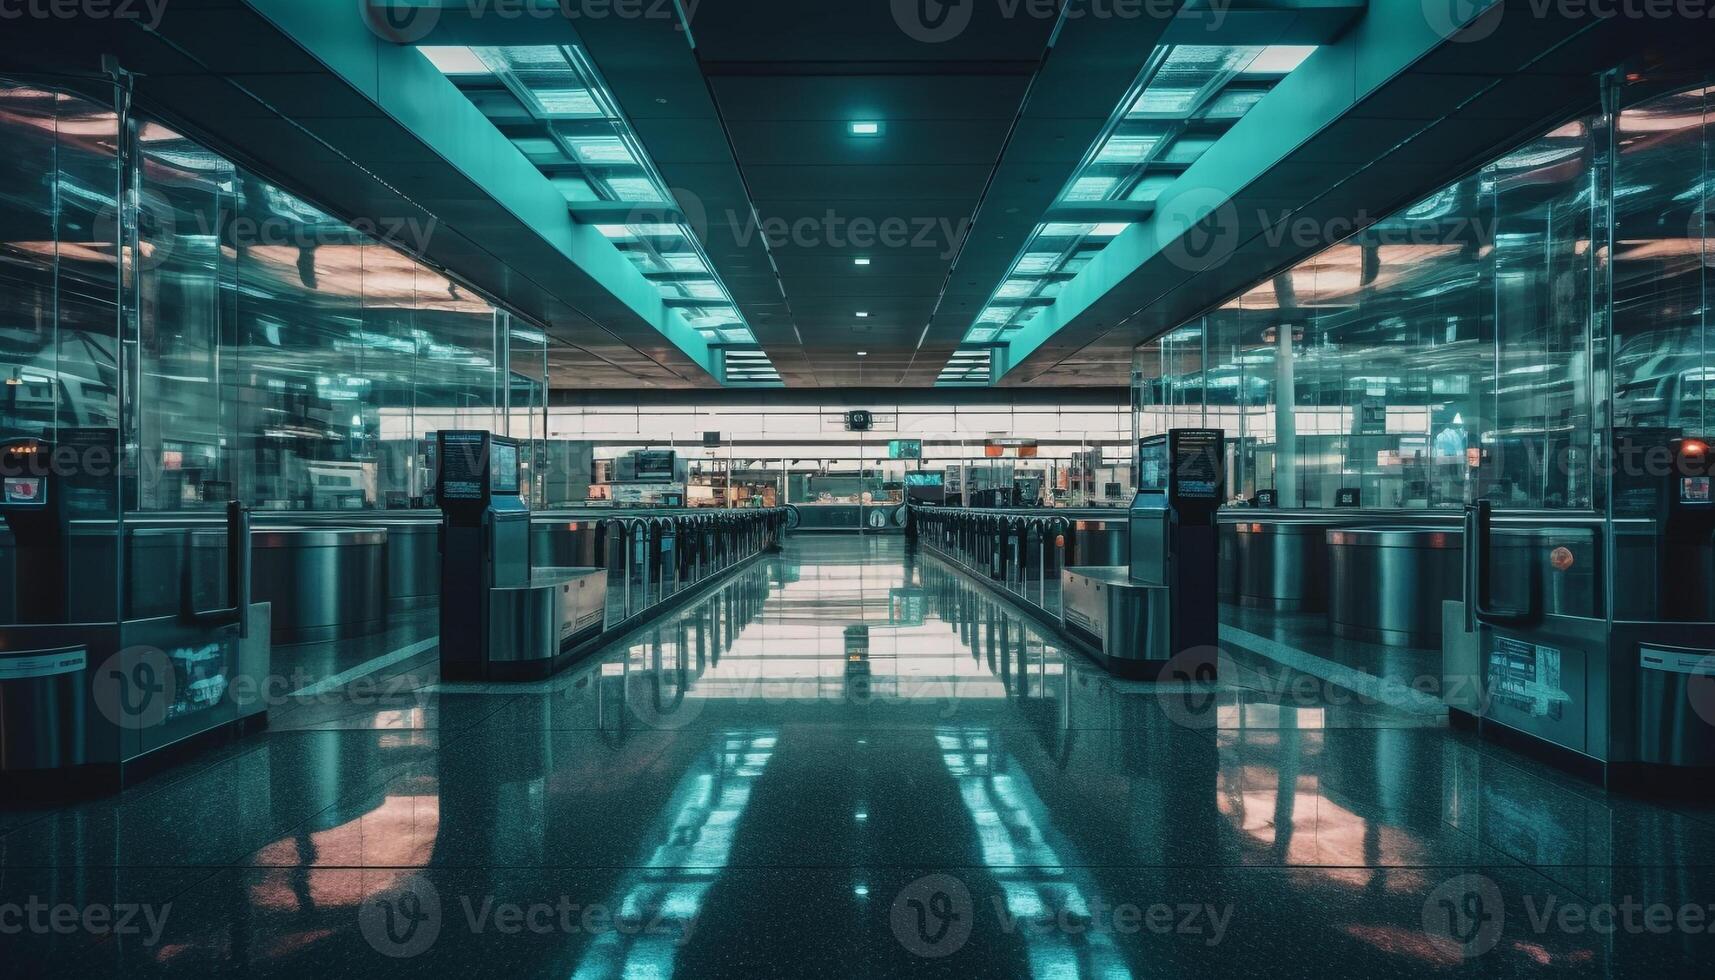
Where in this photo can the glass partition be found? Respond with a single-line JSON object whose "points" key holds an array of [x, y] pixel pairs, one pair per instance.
{"points": [[1442, 354]]}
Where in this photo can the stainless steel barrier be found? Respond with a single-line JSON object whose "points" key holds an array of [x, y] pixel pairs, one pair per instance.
{"points": [[1099, 541], [1280, 563], [325, 583], [1387, 584]]}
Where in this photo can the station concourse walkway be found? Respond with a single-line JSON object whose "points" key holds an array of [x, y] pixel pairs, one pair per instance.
{"points": [[851, 761]]}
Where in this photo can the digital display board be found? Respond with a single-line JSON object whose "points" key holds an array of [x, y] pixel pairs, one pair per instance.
{"points": [[1692, 490], [1197, 464], [1152, 464], [905, 449], [503, 467], [461, 460], [924, 479]]}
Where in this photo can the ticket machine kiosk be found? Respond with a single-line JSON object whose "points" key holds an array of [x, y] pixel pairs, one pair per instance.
{"points": [[501, 619], [1156, 618], [485, 541], [1180, 485]]}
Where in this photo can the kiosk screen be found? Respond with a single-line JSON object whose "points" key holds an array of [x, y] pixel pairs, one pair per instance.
{"points": [[1152, 465], [503, 465], [461, 466]]}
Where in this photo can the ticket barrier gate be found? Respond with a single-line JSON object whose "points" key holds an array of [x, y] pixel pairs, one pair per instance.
{"points": [[98, 687], [1621, 687], [501, 618]]}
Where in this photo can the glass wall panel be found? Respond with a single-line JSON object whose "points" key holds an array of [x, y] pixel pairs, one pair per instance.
{"points": [[1442, 354], [60, 239]]}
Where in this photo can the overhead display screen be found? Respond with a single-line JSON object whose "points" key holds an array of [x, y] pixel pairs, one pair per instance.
{"points": [[924, 479]]}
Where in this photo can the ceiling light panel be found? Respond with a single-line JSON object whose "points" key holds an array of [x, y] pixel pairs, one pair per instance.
{"points": [[1185, 99], [587, 148]]}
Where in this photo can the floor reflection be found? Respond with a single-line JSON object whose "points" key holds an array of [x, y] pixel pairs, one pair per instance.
{"points": [[773, 774]]}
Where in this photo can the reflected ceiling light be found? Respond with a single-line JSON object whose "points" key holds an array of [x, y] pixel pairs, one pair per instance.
{"points": [[864, 128], [861, 314], [863, 353], [454, 60], [860, 262]]}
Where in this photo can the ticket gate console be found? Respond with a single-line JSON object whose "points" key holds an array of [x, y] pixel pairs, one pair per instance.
{"points": [[1624, 693], [1157, 618], [97, 686], [501, 619]]}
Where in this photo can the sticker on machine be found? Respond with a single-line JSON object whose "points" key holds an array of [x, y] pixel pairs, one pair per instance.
{"points": [[49, 664], [1527, 678]]}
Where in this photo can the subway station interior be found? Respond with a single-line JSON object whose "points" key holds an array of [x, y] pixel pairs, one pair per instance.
{"points": [[750, 488]]}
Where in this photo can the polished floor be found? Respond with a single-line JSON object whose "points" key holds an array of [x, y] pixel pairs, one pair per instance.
{"points": [[850, 761]]}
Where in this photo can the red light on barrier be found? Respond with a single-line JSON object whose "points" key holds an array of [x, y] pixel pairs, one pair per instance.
{"points": [[1561, 558], [1693, 447]]}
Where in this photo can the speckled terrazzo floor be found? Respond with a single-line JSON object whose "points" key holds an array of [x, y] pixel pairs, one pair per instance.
{"points": [[850, 762]]}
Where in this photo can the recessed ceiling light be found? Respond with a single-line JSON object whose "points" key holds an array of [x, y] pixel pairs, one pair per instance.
{"points": [[864, 128], [860, 262], [863, 353], [861, 314]]}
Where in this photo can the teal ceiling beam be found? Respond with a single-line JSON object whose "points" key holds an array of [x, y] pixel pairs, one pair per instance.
{"points": [[410, 90], [1390, 36]]}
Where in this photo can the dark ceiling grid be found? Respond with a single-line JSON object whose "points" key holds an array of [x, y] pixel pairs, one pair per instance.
{"points": [[787, 82]]}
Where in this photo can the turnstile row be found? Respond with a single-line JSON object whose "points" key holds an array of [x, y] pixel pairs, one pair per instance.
{"points": [[336, 576], [1373, 577], [649, 558], [1024, 551]]}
